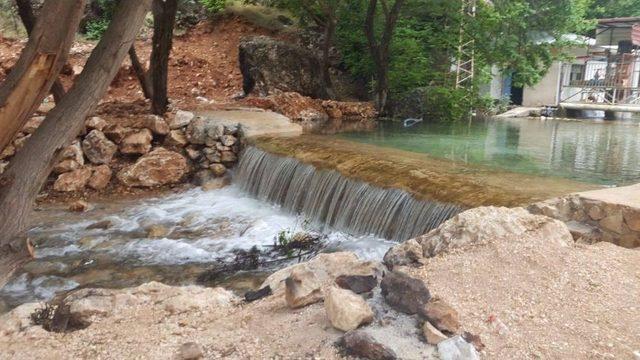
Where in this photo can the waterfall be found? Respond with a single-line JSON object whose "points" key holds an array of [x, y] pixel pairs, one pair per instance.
{"points": [[330, 199]]}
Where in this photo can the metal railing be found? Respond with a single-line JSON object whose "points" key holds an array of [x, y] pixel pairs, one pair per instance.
{"points": [[602, 82]]}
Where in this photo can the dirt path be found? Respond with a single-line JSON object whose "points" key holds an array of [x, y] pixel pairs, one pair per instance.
{"points": [[578, 302]]}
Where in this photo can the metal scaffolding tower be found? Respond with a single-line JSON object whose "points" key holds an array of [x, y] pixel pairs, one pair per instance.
{"points": [[465, 61]]}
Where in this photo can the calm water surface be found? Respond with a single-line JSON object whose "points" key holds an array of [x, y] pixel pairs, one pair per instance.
{"points": [[594, 151]]}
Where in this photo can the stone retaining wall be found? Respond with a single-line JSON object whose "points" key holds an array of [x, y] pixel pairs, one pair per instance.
{"points": [[146, 151], [593, 220]]}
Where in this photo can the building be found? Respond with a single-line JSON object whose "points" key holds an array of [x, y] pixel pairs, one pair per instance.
{"points": [[600, 74]]}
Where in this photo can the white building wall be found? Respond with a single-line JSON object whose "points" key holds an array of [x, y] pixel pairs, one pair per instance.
{"points": [[545, 93]]}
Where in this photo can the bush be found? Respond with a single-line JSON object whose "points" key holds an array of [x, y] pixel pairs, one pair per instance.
{"points": [[96, 28], [449, 104], [98, 18], [214, 6]]}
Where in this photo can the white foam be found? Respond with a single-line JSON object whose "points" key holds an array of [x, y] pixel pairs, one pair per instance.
{"points": [[204, 225], [40, 288]]}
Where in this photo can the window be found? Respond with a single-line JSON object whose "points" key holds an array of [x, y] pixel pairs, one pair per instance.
{"points": [[577, 73]]}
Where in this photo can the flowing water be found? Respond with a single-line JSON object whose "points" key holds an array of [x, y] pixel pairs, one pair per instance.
{"points": [[593, 151], [330, 199], [110, 245], [202, 226]]}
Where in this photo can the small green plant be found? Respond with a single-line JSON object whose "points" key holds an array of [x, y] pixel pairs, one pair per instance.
{"points": [[288, 240], [214, 6], [96, 28], [284, 237]]}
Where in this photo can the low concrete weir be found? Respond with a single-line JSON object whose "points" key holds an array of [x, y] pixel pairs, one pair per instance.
{"points": [[329, 198]]}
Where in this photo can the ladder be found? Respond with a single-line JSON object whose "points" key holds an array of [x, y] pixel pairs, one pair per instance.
{"points": [[465, 60]]}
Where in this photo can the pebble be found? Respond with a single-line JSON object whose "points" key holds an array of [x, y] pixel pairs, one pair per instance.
{"points": [[190, 351]]}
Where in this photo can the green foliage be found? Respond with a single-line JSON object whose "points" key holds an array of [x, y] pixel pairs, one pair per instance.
{"points": [[214, 6], [446, 103], [600, 9], [288, 240], [189, 13], [526, 36], [284, 238], [96, 28], [10, 24], [102, 11], [523, 37], [272, 18]]}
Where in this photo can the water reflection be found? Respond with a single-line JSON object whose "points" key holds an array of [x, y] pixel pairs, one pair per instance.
{"points": [[593, 151]]}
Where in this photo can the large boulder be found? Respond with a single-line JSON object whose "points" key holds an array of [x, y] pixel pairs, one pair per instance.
{"points": [[137, 143], [95, 123], [269, 65], [444, 317], [89, 305], [359, 284], [176, 138], [181, 119], [159, 167], [360, 344], [71, 158], [326, 268], [157, 125], [98, 149], [346, 310], [477, 227], [302, 288], [100, 177], [74, 180], [405, 293], [204, 131]]}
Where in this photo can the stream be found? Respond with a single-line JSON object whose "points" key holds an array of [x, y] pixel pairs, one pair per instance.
{"points": [[110, 246]]}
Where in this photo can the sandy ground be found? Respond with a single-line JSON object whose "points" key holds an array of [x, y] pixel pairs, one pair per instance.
{"points": [[266, 329], [527, 298], [578, 302]]}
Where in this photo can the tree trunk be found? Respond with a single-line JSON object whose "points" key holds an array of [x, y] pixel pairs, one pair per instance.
{"points": [[29, 169], [141, 73], [28, 20], [164, 18], [380, 51], [329, 33], [39, 65]]}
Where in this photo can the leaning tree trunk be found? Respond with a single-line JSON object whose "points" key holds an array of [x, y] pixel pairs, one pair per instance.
{"points": [[29, 169], [141, 74], [164, 18], [29, 20], [39, 65]]}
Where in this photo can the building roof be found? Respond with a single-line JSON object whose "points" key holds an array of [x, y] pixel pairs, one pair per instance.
{"points": [[621, 22]]}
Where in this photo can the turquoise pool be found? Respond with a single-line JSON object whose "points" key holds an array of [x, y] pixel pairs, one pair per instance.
{"points": [[599, 152]]}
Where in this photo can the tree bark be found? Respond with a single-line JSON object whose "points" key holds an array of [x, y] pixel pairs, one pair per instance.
{"points": [[29, 169], [39, 65], [25, 11], [380, 51], [164, 18], [141, 73], [329, 33]]}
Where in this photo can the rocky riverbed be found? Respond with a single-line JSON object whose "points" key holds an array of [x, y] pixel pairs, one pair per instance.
{"points": [[492, 282]]}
